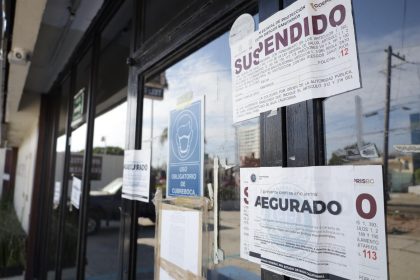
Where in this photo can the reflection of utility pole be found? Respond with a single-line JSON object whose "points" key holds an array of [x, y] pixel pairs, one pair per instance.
{"points": [[103, 140], [387, 105]]}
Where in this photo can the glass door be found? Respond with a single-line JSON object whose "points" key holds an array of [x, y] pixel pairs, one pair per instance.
{"points": [[57, 207], [74, 171], [356, 133], [104, 203], [203, 74]]}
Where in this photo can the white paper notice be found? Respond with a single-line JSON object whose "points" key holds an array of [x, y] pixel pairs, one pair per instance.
{"points": [[57, 193], [324, 222], [136, 175], [305, 51], [6, 177], [180, 241], [76, 188]]}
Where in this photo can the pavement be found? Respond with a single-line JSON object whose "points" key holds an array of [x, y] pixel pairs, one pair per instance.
{"points": [[404, 257], [102, 253], [403, 220], [404, 199], [403, 225]]}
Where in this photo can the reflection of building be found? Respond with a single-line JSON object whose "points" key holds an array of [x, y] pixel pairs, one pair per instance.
{"points": [[104, 169], [248, 142], [401, 172], [415, 137], [76, 166]]}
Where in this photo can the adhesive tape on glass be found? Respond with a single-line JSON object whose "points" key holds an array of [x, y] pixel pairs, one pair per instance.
{"points": [[242, 27]]}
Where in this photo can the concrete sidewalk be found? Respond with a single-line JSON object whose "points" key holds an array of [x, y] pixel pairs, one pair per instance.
{"points": [[403, 220], [408, 199], [404, 256]]}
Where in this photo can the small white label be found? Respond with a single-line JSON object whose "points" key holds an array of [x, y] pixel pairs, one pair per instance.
{"points": [[76, 188], [57, 193]]}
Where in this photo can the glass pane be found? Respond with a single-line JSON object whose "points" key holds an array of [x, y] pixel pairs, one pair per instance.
{"points": [[58, 179], [355, 121], [103, 218], [203, 73], [105, 193], [77, 151]]}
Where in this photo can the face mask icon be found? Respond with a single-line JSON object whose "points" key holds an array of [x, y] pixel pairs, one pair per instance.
{"points": [[184, 135]]}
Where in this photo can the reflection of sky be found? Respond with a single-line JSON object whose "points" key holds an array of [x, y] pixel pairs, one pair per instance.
{"points": [[109, 127], [204, 73], [374, 18], [379, 24]]}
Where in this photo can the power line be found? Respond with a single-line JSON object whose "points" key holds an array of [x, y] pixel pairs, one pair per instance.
{"points": [[399, 130], [403, 23], [381, 50]]}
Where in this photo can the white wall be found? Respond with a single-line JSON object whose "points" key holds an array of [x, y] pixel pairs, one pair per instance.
{"points": [[25, 170]]}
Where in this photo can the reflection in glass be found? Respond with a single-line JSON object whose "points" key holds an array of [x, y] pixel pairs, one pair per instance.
{"points": [[103, 213], [354, 121], [105, 193], [203, 73], [58, 180], [77, 146], [71, 227]]}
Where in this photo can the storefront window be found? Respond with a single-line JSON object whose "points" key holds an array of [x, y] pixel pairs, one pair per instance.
{"points": [[75, 170], [103, 218], [203, 73], [104, 207], [58, 180], [355, 121]]}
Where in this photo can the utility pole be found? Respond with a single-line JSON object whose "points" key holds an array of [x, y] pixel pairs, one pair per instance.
{"points": [[387, 106]]}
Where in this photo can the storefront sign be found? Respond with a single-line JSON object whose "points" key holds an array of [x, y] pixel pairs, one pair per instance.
{"points": [[186, 144], [324, 222], [305, 51], [369, 151], [76, 189], [78, 108], [76, 166], [407, 148], [136, 175], [153, 92]]}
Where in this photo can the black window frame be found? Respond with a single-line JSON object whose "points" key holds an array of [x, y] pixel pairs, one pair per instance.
{"points": [[207, 21], [37, 265]]}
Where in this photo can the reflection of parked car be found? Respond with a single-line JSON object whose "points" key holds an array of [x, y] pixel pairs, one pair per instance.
{"points": [[105, 205]]}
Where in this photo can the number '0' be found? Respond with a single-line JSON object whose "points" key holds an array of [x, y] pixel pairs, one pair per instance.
{"points": [[372, 203]]}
